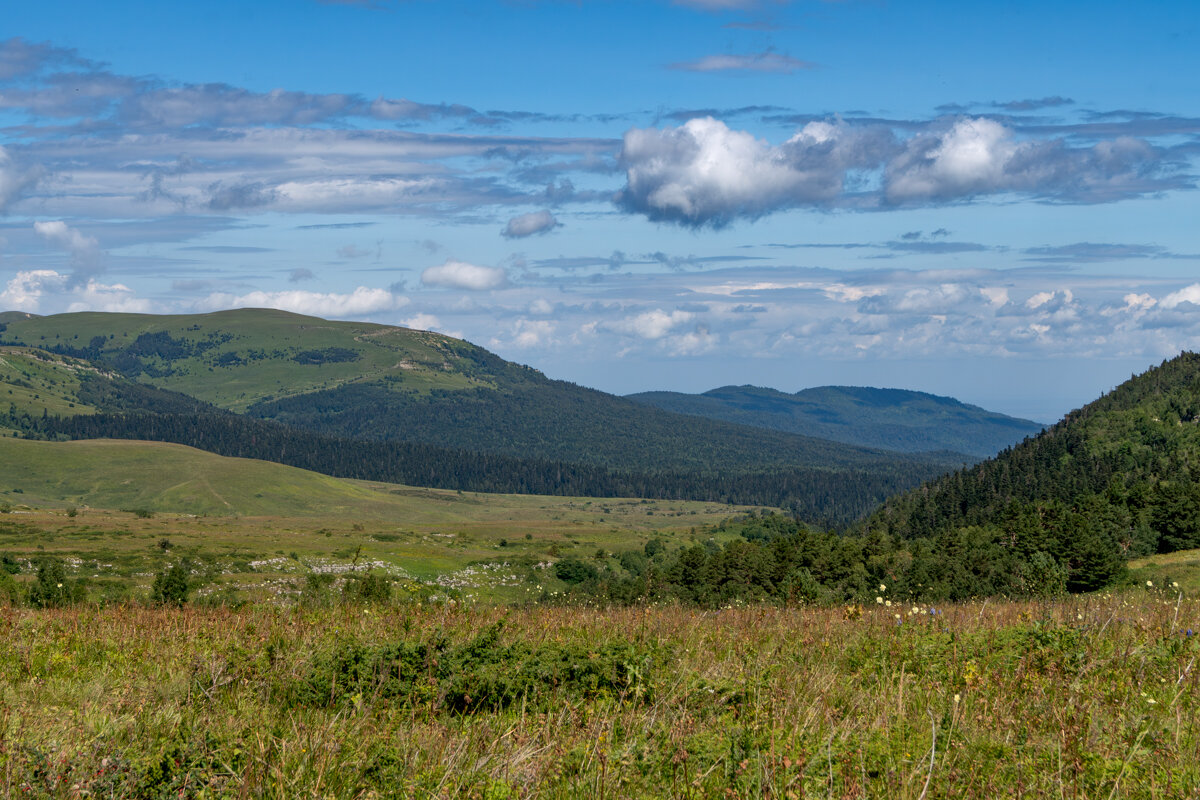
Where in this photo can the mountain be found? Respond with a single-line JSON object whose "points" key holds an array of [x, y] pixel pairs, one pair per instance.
{"points": [[331, 388], [1116, 479], [889, 419]]}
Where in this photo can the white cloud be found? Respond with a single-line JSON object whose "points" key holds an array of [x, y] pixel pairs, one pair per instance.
{"points": [[422, 322], [1188, 294], [362, 301], [704, 173], [651, 324], [48, 291], [461, 275], [527, 334], [1039, 299], [528, 224], [981, 156], [83, 249]]}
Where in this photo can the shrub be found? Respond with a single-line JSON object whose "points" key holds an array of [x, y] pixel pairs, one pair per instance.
{"points": [[572, 570], [51, 589], [171, 585]]}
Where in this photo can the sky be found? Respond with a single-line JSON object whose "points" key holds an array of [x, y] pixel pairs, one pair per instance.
{"points": [[995, 201]]}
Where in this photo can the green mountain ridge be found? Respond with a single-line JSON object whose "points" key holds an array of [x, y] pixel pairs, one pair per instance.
{"points": [[448, 412], [890, 419], [1116, 479], [368, 381]]}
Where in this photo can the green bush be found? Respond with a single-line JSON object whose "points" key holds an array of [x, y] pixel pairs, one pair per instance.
{"points": [[572, 570], [171, 585], [52, 589]]}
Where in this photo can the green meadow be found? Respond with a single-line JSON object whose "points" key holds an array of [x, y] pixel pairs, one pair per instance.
{"points": [[1089, 697], [252, 530]]}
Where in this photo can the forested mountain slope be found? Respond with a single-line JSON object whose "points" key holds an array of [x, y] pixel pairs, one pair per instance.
{"points": [[367, 381], [1115, 479], [891, 419]]}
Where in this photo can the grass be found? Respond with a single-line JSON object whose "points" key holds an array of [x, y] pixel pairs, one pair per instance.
{"points": [[254, 529], [415, 360], [35, 382], [1092, 697]]}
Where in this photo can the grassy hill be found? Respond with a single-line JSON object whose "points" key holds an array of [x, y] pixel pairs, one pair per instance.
{"points": [[890, 419], [164, 477], [235, 358]]}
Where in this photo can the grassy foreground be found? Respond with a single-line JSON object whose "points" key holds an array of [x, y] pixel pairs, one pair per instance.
{"points": [[1092, 697]]}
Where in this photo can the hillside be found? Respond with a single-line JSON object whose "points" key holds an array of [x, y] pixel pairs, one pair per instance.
{"points": [[360, 382], [889, 419], [168, 477], [1116, 479]]}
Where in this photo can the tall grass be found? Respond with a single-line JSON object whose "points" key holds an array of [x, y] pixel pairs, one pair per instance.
{"points": [[1093, 697]]}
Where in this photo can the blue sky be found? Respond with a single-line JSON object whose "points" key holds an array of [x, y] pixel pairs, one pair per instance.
{"points": [[995, 201]]}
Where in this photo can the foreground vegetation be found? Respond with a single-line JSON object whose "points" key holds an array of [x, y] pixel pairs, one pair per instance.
{"points": [[1090, 697]]}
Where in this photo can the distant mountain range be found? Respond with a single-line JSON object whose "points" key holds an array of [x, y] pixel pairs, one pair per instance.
{"points": [[387, 403], [889, 419]]}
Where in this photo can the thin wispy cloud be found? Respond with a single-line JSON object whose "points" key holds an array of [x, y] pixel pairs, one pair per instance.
{"points": [[767, 61]]}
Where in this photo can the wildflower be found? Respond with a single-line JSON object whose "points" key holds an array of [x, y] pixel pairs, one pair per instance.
{"points": [[882, 587], [879, 600], [1149, 584], [916, 610], [957, 697], [1174, 584], [888, 603]]}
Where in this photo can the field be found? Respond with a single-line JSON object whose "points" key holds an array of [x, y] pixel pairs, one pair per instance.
{"points": [[253, 530], [1092, 697]]}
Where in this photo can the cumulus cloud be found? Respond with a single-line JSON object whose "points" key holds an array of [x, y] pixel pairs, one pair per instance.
{"points": [[981, 156], [461, 275], [704, 173], [652, 324], [362, 301], [767, 61], [49, 291], [422, 322], [529, 224], [1188, 294]]}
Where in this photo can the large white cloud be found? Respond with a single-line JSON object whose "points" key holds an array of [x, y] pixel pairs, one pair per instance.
{"points": [[461, 275], [704, 173], [362, 301]]}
